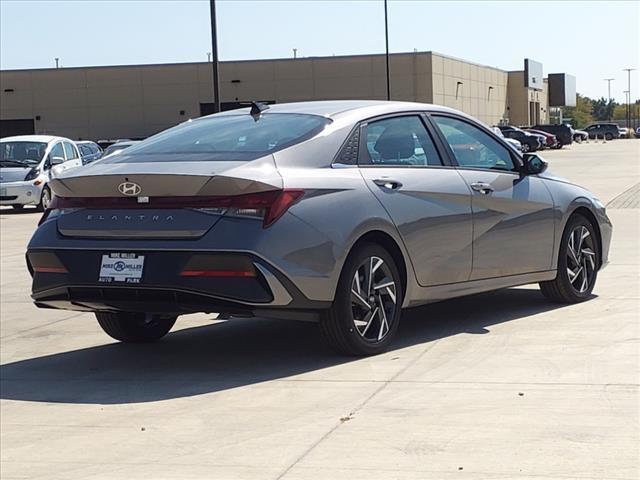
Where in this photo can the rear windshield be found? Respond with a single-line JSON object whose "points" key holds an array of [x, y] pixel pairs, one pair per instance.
{"points": [[21, 153], [231, 137]]}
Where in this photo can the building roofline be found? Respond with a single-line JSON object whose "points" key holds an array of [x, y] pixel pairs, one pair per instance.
{"points": [[281, 59]]}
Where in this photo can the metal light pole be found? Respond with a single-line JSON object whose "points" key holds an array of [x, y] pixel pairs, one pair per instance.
{"points": [[386, 39], [628, 70], [57, 60], [609, 80], [214, 54]]}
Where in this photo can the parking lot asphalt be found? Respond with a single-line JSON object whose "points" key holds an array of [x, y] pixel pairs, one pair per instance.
{"points": [[502, 385]]}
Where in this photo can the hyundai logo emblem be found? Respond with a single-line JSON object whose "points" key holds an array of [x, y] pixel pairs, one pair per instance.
{"points": [[129, 188]]}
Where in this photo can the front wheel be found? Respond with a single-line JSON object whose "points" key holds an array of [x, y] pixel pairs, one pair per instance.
{"points": [[45, 199], [366, 311], [135, 327], [608, 136], [578, 263]]}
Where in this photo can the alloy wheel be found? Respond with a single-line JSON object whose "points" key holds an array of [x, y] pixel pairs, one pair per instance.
{"points": [[581, 259], [373, 299], [46, 199]]}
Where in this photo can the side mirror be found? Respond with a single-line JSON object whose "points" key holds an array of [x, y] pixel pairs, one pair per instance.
{"points": [[56, 161], [533, 164]]}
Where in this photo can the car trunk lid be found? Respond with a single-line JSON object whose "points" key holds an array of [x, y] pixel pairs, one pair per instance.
{"points": [[156, 200]]}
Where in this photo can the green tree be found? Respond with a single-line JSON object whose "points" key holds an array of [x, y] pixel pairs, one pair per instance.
{"points": [[603, 109], [582, 114]]}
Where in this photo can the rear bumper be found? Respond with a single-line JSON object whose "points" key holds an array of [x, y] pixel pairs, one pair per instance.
{"points": [[162, 289], [19, 193]]}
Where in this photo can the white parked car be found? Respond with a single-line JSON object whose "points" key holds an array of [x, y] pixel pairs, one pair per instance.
{"points": [[28, 163], [511, 141], [624, 132]]}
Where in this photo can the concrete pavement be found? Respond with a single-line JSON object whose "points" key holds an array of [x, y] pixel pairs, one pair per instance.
{"points": [[499, 386]]}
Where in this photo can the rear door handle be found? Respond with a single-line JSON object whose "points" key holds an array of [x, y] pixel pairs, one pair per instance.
{"points": [[388, 183], [482, 187]]}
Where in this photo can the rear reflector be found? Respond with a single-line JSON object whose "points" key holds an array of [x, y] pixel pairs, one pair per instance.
{"points": [[269, 206], [219, 265], [217, 273], [46, 262], [50, 269]]}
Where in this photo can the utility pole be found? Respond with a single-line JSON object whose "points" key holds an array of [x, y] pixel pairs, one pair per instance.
{"points": [[57, 60], [214, 53], [628, 70], [295, 53], [208, 57], [609, 80], [386, 39]]}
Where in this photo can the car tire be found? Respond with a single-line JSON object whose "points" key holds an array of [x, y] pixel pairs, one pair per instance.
{"points": [[135, 327], [17, 206], [349, 327], [45, 199], [583, 257], [525, 147], [608, 136], [577, 138]]}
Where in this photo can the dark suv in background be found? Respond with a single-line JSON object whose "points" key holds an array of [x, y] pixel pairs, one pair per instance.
{"points": [[606, 130], [562, 132]]}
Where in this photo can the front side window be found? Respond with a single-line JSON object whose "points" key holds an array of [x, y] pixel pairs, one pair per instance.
{"points": [[401, 141], [57, 151], [472, 147], [70, 151], [230, 137]]}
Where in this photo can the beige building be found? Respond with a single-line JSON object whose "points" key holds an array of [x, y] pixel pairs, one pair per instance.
{"points": [[137, 101]]}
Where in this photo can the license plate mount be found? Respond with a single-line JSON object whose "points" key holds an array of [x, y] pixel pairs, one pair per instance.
{"points": [[121, 268]]}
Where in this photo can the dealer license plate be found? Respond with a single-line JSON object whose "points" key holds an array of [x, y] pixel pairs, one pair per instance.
{"points": [[121, 267]]}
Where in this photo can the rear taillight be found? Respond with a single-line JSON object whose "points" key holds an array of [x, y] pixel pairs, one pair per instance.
{"points": [[268, 206], [55, 209]]}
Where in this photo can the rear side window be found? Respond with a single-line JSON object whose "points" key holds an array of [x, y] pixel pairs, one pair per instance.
{"points": [[400, 141], [231, 137], [472, 147]]}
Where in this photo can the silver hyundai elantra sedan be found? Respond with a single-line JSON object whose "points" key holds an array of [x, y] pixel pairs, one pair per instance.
{"points": [[338, 212]]}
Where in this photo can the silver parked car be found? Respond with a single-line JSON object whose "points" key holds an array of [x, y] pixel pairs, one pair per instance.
{"points": [[27, 164], [339, 212]]}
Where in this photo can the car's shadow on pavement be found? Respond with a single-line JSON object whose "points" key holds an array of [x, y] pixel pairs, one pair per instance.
{"points": [[22, 211], [235, 353]]}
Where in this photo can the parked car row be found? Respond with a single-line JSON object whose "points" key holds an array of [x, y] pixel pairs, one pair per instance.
{"points": [[29, 162]]}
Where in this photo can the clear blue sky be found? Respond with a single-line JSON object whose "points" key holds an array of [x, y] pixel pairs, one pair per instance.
{"points": [[590, 39]]}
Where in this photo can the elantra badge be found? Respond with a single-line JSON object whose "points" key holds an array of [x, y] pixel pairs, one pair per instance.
{"points": [[129, 188]]}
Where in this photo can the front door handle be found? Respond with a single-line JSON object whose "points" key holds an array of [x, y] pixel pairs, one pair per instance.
{"points": [[482, 187], [388, 183]]}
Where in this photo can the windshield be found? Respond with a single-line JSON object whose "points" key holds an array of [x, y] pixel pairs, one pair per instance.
{"points": [[231, 137], [21, 154]]}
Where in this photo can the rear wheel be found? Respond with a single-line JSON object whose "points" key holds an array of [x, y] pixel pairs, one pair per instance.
{"points": [[608, 136], [135, 327], [577, 264], [366, 311], [525, 147]]}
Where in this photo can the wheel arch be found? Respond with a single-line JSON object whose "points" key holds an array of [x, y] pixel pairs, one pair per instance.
{"points": [[390, 244], [591, 218]]}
